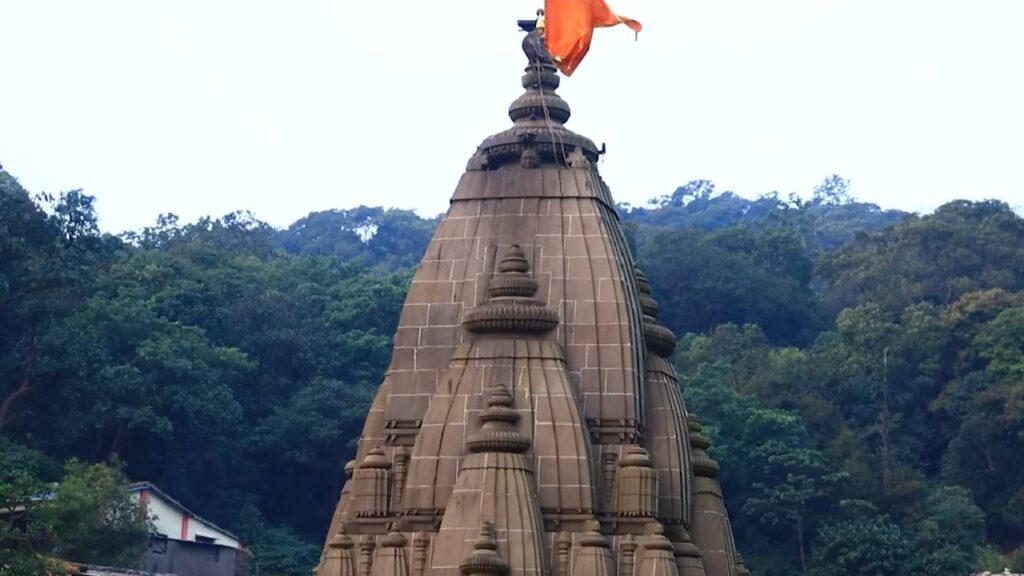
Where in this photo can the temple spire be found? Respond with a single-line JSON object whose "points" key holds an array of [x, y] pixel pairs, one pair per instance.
{"points": [[528, 360], [538, 135]]}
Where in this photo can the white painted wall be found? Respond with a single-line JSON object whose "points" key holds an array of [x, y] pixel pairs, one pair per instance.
{"points": [[200, 528], [168, 519]]}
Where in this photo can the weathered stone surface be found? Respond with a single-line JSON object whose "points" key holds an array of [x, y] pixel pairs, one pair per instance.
{"points": [[710, 527], [530, 422], [668, 436]]}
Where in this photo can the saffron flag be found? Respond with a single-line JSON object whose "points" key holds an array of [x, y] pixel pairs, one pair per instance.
{"points": [[569, 27]]}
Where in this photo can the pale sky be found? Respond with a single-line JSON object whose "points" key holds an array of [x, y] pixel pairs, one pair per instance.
{"points": [[282, 108]]}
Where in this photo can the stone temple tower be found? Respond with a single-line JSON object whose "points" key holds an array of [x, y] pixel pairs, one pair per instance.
{"points": [[531, 423]]}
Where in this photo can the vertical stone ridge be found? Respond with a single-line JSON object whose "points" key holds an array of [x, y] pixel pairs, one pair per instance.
{"points": [[593, 556], [511, 344], [624, 259], [390, 558], [373, 485], [628, 548], [339, 560], [638, 496], [366, 546], [667, 433], [495, 486], [710, 528], [658, 558], [688, 556], [420, 544], [563, 543]]}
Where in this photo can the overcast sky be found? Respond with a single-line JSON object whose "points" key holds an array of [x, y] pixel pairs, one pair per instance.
{"points": [[205, 107]]}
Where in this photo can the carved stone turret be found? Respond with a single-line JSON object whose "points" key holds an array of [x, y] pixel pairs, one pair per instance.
{"points": [[637, 485], [512, 307], [340, 558], [391, 559], [497, 427], [484, 560], [658, 558], [593, 556], [373, 485]]}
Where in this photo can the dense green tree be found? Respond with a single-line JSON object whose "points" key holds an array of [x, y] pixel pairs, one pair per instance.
{"points": [[87, 516], [795, 482], [48, 249], [985, 452], [861, 371], [951, 533], [277, 550], [962, 247], [92, 518], [23, 546], [776, 482], [827, 221], [736, 275], [388, 238], [1001, 344], [873, 393], [865, 544], [882, 369]]}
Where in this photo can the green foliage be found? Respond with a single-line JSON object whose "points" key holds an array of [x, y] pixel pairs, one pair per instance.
{"points": [[22, 536], [962, 247], [87, 516], [921, 412], [1001, 343], [777, 482], [383, 238], [44, 255], [951, 534], [738, 275], [861, 372], [92, 519], [863, 545], [829, 220], [277, 550], [214, 364]]}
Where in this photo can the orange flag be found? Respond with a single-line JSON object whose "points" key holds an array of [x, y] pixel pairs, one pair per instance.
{"points": [[569, 27]]}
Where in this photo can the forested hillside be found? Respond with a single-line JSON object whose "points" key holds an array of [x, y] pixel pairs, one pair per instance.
{"points": [[861, 371]]}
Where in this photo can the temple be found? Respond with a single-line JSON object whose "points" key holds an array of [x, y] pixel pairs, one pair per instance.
{"points": [[531, 422]]}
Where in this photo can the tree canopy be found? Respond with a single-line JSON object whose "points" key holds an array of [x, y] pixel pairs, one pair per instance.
{"points": [[860, 371]]}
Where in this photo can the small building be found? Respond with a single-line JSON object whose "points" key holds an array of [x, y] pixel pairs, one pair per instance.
{"points": [[184, 543]]}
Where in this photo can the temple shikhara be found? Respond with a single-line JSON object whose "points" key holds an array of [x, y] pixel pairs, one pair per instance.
{"points": [[531, 422]]}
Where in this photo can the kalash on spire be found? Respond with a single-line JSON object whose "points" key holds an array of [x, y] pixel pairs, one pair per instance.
{"points": [[530, 423]]}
